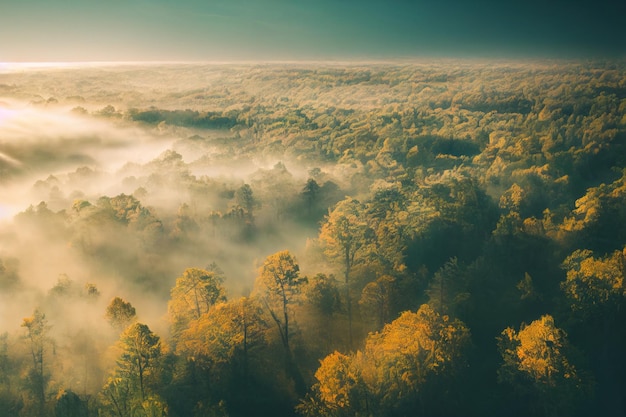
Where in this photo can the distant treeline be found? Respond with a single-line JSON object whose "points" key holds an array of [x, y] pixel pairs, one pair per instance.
{"points": [[185, 118]]}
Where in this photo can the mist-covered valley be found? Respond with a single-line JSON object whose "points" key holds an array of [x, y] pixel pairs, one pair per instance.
{"points": [[322, 239]]}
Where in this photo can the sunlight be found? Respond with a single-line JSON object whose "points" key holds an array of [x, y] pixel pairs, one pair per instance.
{"points": [[243, 213]]}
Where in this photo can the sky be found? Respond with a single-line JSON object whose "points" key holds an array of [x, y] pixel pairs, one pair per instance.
{"points": [[223, 30]]}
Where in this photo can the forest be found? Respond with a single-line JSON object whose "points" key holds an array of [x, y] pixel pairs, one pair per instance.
{"points": [[438, 238]]}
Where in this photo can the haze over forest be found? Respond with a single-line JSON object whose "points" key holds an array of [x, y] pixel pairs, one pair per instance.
{"points": [[329, 208], [441, 237]]}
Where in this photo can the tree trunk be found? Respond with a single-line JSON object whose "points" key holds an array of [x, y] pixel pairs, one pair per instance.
{"points": [[348, 300]]}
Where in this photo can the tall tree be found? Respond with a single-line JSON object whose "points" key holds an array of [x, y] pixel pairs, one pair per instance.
{"points": [[324, 300], [310, 195], [278, 286], [446, 292], [377, 299], [129, 391], [10, 401], [245, 199], [596, 291], [140, 355], [194, 293], [345, 235], [37, 334]]}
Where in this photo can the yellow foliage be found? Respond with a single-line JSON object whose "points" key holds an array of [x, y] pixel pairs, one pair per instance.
{"points": [[195, 292], [537, 351], [336, 378], [593, 282], [217, 334]]}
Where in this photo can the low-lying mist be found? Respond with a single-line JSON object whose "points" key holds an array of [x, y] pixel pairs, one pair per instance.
{"points": [[127, 207], [37, 143]]}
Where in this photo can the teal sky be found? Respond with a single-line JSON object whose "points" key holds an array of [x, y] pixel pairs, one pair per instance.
{"points": [[131, 30]]}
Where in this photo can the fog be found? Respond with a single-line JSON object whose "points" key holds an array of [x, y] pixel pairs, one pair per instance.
{"points": [[391, 185], [62, 150]]}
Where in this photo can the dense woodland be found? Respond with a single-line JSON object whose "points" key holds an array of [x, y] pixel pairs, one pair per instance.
{"points": [[442, 238]]}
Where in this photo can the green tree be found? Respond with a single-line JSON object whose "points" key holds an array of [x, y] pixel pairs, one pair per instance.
{"points": [[323, 294], [120, 313], [595, 290], [310, 195], [446, 292], [323, 300], [245, 199], [68, 404], [378, 299], [10, 399], [116, 399], [130, 391], [141, 351], [39, 342], [345, 235], [9, 274]]}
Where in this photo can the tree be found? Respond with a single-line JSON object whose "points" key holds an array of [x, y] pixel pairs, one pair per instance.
{"points": [[184, 225], [536, 363], [68, 404], [227, 331], [446, 290], [120, 313], [116, 398], [377, 299], [600, 215], [278, 286], [194, 293], [9, 276], [310, 195], [37, 334], [345, 234], [140, 355], [64, 287], [245, 199], [596, 292], [324, 300], [334, 394], [512, 199], [10, 401], [91, 291], [128, 391], [595, 285], [411, 351], [277, 188], [323, 294], [392, 374]]}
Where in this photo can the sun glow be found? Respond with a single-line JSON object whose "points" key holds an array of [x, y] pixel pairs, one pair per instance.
{"points": [[7, 67]]}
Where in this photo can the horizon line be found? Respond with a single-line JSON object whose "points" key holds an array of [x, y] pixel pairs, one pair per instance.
{"points": [[4, 65]]}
